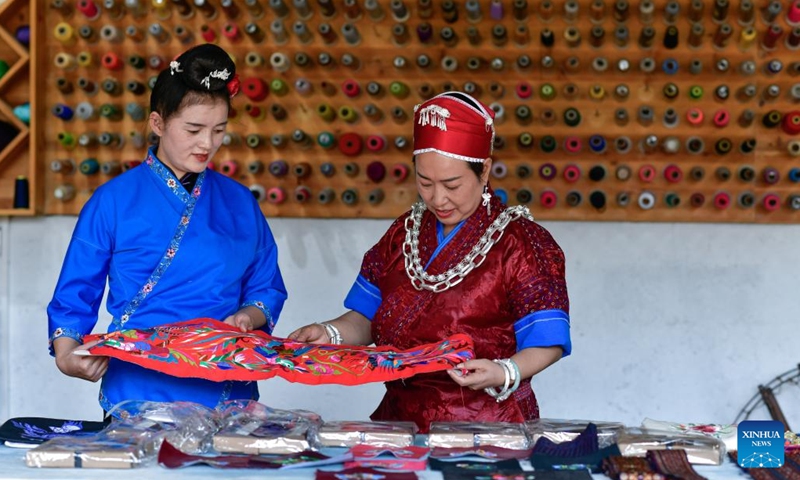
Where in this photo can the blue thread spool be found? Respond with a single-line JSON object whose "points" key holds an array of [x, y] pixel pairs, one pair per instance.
{"points": [[597, 143], [23, 113], [794, 175], [21, 192], [23, 35], [502, 195], [135, 111], [670, 66], [62, 111], [327, 169], [90, 166]]}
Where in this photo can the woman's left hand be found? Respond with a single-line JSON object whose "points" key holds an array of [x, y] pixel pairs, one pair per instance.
{"points": [[478, 374]]}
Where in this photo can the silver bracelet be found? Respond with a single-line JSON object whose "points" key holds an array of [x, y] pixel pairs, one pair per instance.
{"points": [[334, 336], [511, 383]]}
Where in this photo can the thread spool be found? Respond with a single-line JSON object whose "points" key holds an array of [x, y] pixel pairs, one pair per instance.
{"points": [[64, 193]]}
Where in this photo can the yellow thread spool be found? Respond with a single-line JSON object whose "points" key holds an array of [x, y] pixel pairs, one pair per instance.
{"points": [[65, 34], [85, 59], [747, 37]]}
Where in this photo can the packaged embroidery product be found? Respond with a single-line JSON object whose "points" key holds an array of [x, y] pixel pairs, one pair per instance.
{"points": [[559, 431], [188, 426], [93, 451], [406, 458], [467, 434], [348, 433], [253, 428], [700, 449], [727, 433], [27, 432], [171, 457]]}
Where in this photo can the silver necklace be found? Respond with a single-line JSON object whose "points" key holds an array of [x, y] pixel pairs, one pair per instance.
{"points": [[422, 280]]}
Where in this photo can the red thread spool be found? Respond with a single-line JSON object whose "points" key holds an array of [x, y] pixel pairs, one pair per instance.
{"points": [[351, 88], [722, 200], [207, 33], [673, 173], [771, 36], [721, 118], [212, 166], [791, 123], [229, 168], [254, 111], [548, 199], [255, 89], [524, 90], [231, 32], [647, 173], [130, 164], [112, 61], [350, 144], [400, 172], [276, 195], [572, 173], [376, 143], [89, 8], [376, 171], [771, 202]]}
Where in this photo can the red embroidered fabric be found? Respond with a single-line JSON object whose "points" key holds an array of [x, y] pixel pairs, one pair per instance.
{"points": [[210, 349]]}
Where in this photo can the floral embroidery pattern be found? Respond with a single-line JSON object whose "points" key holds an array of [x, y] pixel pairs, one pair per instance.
{"points": [[166, 260], [210, 349]]}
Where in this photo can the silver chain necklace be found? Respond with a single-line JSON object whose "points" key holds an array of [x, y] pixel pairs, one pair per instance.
{"points": [[421, 280]]}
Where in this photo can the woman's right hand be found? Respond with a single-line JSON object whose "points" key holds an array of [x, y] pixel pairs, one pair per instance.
{"points": [[313, 333], [86, 367]]}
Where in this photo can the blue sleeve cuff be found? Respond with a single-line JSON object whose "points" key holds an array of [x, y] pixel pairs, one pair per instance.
{"points": [[545, 328], [269, 325], [63, 332], [364, 298]]}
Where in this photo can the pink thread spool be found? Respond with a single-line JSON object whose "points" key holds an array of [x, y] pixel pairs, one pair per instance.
{"points": [[376, 143], [572, 173], [229, 168], [573, 144], [400, 172], [208, 33], [647, 173], [721, 118], [524, 90], [548, 199], [771, 202], [793, 15], [722, 201], [673, 173], [276, 195]]}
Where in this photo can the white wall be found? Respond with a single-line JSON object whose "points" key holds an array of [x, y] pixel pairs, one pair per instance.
{"points": [[673, 321]]}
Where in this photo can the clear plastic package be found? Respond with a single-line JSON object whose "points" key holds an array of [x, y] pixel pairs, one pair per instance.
{"points": [[253, 428], [188, 426], [468, 434], [559, 431], [725, 432], [93, 451], [700, 450], [348, 433]]}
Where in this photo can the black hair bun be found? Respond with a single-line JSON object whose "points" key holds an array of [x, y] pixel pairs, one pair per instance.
{"points": [[206, 67]]}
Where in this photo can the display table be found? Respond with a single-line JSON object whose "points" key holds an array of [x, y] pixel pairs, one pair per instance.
{"points": [[12, 466]]}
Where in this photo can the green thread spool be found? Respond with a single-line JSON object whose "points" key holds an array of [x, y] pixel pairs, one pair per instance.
{"points": [[66, 139], [398, 89], [326, 140], [279, 87], [547, 92], [696, 92], [525, 140], [111, 112], [548, 143]]}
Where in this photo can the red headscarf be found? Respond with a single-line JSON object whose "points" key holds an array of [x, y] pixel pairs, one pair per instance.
{"points": [[456, 125]]}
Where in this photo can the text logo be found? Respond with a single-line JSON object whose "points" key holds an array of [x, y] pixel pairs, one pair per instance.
{"points": [[760, 444]]}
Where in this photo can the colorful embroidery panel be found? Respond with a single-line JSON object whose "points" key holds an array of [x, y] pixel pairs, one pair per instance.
{"points": [[36, 430], [209, 349]]}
